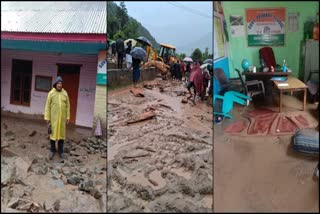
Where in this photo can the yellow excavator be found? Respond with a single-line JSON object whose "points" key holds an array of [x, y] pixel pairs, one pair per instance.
{"points": [[167, 54]]}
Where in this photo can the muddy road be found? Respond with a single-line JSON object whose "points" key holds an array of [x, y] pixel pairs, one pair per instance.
{"points": [[162, 164], [30, 182]]}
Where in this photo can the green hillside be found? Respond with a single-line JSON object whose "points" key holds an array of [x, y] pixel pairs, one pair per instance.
{"points": [[120, 23]]}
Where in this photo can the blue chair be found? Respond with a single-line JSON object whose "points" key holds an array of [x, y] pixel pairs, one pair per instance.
{"points": [[228, 99]]}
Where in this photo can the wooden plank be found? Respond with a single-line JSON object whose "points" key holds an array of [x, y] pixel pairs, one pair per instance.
{"points": [[138, 92], [145, 116]]}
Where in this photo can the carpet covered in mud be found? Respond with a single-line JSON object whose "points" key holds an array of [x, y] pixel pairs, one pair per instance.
{"points": [[261, 122], [162, 163]]}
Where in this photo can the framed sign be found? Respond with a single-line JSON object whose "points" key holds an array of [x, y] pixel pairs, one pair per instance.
{"points": [[265, 27], [43, 83]]}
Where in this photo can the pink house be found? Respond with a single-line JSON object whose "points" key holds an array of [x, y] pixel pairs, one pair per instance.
{"points": [[35, 50]]}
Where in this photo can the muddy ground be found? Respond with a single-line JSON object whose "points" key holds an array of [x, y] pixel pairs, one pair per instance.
{"points": [[263, 174], [163, 164], [32, 182]]}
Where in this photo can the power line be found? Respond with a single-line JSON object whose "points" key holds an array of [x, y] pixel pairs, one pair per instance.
{"points": [[190, 10]]}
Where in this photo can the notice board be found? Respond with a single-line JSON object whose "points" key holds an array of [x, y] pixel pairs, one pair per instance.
{"points": [[266, 26]]}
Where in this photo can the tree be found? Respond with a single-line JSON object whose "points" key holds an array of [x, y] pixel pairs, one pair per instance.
{"points": [[122, 14], [197, 54], [130, 30], [119, 33], [181, 56], [205, 54]]}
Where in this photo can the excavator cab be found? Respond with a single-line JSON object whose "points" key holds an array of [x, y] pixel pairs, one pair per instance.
{"points": [[167, 54]]}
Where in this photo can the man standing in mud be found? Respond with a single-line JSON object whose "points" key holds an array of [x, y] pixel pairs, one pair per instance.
{"points": [[57, 114], [120, 51]]}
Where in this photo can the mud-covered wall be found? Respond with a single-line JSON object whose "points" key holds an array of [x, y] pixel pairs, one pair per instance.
{"points": [[45, 64], [118, 77]]}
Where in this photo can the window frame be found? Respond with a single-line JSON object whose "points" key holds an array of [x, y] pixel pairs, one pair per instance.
{"points": [[43, 77], [22, 90]]}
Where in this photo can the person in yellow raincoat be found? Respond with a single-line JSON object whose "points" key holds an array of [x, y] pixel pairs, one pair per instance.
{"points": [[57, 113]]}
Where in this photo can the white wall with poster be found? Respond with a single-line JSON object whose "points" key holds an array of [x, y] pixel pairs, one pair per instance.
{"points": [[102, 68]]}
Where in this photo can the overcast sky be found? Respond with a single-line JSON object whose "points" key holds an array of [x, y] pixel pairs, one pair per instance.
{"points": [[178, 25]]}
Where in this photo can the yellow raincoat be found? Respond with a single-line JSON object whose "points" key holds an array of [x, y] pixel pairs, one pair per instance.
{"points": [[57, 110]]}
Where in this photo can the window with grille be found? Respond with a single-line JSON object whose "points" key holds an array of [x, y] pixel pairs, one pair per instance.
{"points": [[21, 78]]}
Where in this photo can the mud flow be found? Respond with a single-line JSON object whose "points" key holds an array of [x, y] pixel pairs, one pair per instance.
{"points": [[159, 150], [30, 182]]}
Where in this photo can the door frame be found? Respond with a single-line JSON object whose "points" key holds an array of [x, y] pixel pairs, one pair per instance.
{"points": [[72, 64]]}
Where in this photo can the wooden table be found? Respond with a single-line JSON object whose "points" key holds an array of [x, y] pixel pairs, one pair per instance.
{"points": [[264, 75], [293, 85]]}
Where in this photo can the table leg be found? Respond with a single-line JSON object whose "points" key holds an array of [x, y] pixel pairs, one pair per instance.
{"points": [[280, 108], [291, 92], [304, 99]]}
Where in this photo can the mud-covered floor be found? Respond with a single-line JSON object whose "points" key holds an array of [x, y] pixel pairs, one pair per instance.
{"points": [[162, 164], [257, 174], [30, 182]]}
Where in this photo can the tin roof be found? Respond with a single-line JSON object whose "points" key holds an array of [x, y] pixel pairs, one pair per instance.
{"points": [[54, 17]]}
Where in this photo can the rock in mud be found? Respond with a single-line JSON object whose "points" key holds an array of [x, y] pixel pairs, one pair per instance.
{"points": [[33, 133], [175, 204], [40, 159], [74, 153], [39, 169], [66, 171], [23, 204], [184, 100], [86, 185], [98, 170], [5, 126], [56, 205], [95, 193], [4, 144], [74, 180], [22, 146], [15, 170], [144, 192], [118, 202], [55, 174], [83, 170], [9, 135]]}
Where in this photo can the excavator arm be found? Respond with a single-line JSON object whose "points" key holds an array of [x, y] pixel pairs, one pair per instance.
{"points": [[152, 52]]}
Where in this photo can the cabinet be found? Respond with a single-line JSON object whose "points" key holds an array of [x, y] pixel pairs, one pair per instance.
{"points": [[309, 58]]}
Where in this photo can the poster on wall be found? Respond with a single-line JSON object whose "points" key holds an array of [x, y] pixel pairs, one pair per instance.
{"points": [[236, 26], [265, 26], [102, 68]]}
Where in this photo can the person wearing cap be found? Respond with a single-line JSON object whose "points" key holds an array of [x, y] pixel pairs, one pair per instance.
{"points": [[57, 114]]}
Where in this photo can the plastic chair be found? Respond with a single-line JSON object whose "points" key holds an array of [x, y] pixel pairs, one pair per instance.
{"points": [[228, 99], [249, 90]]}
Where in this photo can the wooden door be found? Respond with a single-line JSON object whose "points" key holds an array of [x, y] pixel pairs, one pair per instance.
{"points": [[70, 75]]}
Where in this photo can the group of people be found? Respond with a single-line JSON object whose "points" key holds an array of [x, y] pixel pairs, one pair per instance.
{"points": [[177, 70], [196, 78], [199, 81], [121, 50]]}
